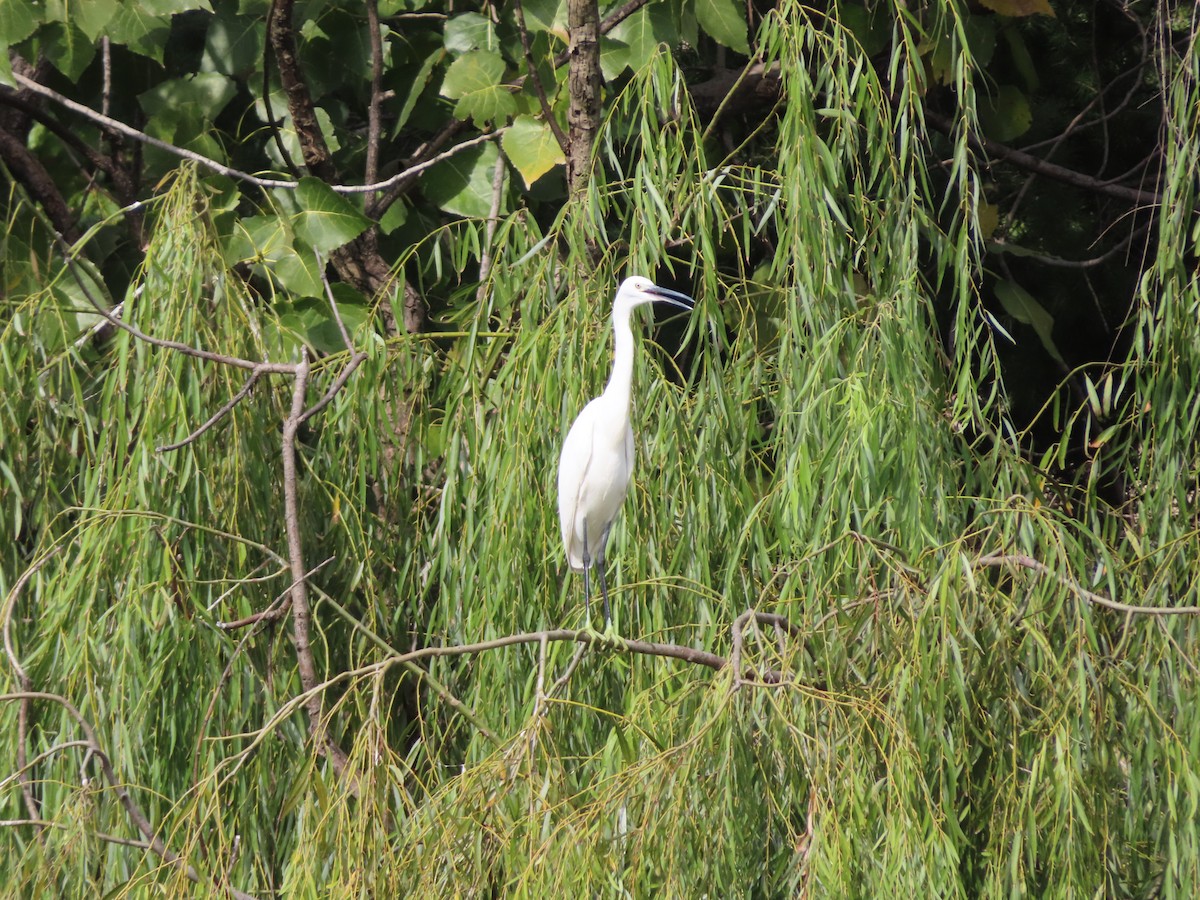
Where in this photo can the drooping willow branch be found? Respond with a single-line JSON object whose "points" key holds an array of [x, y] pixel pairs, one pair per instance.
{"points": [[298, 415], [143, 825]]}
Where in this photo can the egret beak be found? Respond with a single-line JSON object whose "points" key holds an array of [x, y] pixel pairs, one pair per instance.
{"points": [[662, 295]]}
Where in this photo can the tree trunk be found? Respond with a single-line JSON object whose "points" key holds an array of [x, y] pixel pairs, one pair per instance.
{"points": [[583, 114]]}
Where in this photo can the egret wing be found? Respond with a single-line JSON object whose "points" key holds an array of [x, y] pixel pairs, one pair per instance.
{"points": [[573, 465]]}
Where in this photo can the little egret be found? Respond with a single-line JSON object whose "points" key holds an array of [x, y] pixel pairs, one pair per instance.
{"points": [[597, 456]]}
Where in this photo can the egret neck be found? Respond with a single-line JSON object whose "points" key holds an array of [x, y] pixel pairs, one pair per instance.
{"points": [[620, 383]]}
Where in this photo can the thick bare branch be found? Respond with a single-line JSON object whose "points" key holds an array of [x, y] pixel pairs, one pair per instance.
{"points": [[301, 614]]}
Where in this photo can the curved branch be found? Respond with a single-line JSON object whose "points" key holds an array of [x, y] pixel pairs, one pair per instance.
{"points": [[1020, 560], [408, 174], [1029, 162]]}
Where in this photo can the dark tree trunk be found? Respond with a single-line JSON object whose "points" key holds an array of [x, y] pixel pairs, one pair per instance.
{"points": [[583, 114]]}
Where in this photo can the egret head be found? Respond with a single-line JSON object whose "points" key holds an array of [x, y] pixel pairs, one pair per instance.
{"points": [[636, 290]]}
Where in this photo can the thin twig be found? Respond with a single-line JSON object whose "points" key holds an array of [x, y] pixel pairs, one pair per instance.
{"points": [[562, 679], [485, 260], [301, 614], [23, 680], [228, 171], [338, 383], [44, 755], [1031, 163], [277, 608], [337, 313], [580, 636], [371, 171], [185, 349], [538, 87], [99, 835], [1020, 560], [738, 638], [216, 417], [428, 677]]}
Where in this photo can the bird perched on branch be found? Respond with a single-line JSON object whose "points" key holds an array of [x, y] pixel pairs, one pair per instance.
{"points": [[597, 456]]}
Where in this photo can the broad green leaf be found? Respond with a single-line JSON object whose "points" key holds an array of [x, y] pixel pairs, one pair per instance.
{"points": [[67, 48], [18, 20], [204, 94], [981, 38], [233, 46], [725, 23], [396, 215], [139, 31], [323, 333], [463, 183], [1021, 305], [1022, 59], [989, 218], [90, 16], [546, 15], [475, 80], [532, 148], [871, 28], [174, 7], [644, 31], [297, 272], [614, 57], [415, 88], [257, 239], [1005, 114], [328, 219], [468, 32]]}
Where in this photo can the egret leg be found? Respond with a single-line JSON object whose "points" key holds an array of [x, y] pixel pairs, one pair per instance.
{"points": [[587, 582], [610, 628], [587, 590]]}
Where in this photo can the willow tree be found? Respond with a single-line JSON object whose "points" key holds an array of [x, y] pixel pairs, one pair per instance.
{"points": [[285, 610]]}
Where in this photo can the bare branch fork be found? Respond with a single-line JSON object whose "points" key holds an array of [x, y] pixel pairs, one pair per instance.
{"points": [[297, 416]]}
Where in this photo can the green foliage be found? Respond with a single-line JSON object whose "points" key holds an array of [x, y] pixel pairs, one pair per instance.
{"points": [[829, 438]]}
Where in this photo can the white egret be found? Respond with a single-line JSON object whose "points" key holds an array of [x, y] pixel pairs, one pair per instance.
{"points": [[597, 456]]}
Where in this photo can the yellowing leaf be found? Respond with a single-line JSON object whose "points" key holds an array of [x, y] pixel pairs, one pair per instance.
{"points": [[531, 147], [989, 218], [1017, 8]]}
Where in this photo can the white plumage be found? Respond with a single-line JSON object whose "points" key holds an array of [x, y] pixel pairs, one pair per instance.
{"points": [[596, 463]]}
